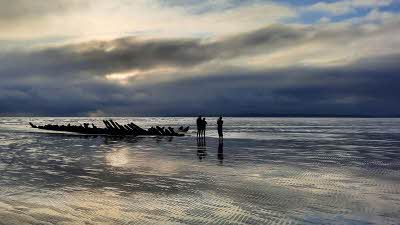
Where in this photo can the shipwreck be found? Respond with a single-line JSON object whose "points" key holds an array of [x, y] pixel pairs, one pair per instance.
{"points": [[114, 128]]}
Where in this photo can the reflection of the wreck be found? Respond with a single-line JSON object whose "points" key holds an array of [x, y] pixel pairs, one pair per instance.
{"points": [[109, 140]]}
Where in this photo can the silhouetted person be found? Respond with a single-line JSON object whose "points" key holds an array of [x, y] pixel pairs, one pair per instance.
{"points": [[203, 127], [220, 122], [198, 123], [221, 152]]}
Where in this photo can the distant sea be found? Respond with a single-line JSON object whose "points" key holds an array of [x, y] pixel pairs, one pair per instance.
{"points": [[267, 171]]}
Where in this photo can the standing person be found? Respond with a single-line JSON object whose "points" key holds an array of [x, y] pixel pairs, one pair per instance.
{"points": [[220, 122], [204, 126], [198, 122]]}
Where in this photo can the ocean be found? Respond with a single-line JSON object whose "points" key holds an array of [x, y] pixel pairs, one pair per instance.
{"points": [[267, 171]]}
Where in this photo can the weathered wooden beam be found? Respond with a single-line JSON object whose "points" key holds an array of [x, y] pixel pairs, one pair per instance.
{"points": [[114, 125], [108, 125]]}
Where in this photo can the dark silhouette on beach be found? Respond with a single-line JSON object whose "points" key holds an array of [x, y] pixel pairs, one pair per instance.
{"points": [[220, 122], [198, 123], [201, 127]]}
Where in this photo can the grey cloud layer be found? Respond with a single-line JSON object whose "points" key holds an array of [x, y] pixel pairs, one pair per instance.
{"points": [[65, 80], [368, 87], [103, 57], [125, 54]]}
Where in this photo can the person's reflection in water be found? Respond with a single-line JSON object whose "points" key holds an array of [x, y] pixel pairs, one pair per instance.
{"points": [[221, 152], [201, 148]]}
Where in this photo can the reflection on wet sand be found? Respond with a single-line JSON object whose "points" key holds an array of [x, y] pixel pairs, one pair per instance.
{"points": [[201, 148], [220, 152], [117, 158]]}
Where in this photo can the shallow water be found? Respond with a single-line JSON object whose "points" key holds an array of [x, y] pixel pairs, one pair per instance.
{"points": [[268, 171]]}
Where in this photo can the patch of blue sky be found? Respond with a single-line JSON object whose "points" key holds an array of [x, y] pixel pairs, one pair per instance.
{"points": [[304, 16], [207, 6], [301, 2], [200, 7], [311, 17], [393, 8]]}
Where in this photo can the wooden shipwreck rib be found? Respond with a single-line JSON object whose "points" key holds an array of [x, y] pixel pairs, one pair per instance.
{"points": [[113, 128]]}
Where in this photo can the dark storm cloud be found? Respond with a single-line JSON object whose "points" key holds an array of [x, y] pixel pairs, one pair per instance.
{"points": [[124, 54], [347, 90]]}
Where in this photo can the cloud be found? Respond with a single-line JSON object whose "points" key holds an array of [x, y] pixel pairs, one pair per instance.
{"points": [[18, 9], [100, 19], [267, 47], [330, 68], [126, 54], [367, 87], [23, 20], [355, 89], [346, 6]]}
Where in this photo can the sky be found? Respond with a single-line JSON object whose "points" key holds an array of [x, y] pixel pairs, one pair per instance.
{"points": [[191, 57]]}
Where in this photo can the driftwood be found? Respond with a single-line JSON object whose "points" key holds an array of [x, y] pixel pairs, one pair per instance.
{"points": [[113, 128]]}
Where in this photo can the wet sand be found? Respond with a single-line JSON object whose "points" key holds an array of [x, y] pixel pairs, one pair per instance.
{"points": [[268, 171]]}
